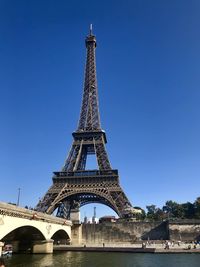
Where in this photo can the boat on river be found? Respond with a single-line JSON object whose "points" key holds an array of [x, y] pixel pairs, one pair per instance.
{"points": [[7, 250]]}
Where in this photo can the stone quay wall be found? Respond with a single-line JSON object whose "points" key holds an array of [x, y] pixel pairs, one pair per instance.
{"points": [[185, 230], [123, 232], [131, 232]]}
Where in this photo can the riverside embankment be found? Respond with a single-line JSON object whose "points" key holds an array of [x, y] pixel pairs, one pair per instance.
{"points": [[134, 248], [123, 232]]}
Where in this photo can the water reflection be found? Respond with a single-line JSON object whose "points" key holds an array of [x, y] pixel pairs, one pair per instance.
{"points": [[92, 259], [69, 259]]}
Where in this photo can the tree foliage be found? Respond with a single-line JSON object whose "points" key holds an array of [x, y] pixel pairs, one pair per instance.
{"points": [[174, 210]]}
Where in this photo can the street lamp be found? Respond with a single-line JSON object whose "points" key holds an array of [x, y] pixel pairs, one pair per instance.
{"points": [[18, 197]]}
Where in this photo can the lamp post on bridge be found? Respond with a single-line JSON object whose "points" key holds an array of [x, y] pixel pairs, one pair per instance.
{"points": [[18, 197]]}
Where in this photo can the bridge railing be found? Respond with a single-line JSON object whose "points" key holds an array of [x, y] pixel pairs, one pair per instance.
{"points": [[19, 212]]}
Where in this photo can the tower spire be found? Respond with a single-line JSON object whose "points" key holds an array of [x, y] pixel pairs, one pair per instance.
{"points": [[90, 29], [89, 116]]}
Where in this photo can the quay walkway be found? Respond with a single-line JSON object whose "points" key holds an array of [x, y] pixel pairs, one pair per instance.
{"points": [[133, 248]]}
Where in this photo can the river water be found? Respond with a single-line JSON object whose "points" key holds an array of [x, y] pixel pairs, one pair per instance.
{"points": [[102, 259]]}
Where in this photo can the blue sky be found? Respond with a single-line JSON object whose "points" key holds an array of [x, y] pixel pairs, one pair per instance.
{"points": [[148, 71]]}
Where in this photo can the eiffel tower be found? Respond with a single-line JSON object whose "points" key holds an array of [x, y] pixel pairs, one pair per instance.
{"points": [[75, 186]]}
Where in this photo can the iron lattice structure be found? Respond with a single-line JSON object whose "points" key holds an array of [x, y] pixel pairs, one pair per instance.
{"points": [[75, 186]]}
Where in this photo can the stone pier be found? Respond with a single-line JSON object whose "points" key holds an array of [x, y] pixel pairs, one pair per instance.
{"points": [[1, 246], [42, 246]]}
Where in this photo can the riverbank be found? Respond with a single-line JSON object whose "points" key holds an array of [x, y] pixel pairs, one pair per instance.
{"points": [[126, 249]]}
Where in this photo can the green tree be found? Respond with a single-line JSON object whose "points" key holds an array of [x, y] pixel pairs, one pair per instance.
{"points": [[189, 210], [173, 209], [142, 215], [151, 210], [159, 215], [154, 213], [197, 208]]}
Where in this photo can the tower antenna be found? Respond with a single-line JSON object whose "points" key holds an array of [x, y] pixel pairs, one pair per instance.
{"points": [[94, 216], [90, 29]]}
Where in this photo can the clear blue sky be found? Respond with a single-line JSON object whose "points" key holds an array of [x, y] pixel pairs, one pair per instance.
{"points": [[148, 70]]}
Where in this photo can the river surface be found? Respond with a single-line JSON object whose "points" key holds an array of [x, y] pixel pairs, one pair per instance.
{"points": [[103, 259]]}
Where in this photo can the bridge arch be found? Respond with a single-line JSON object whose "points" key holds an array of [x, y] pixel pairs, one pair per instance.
{"points": [[23, 237], [24, 231], [61, 237]]}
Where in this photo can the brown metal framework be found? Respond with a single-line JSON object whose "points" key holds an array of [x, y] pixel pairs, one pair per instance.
{"points": [[75, 186]]}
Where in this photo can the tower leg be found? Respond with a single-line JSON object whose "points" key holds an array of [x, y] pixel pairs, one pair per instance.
{"points": [[75, 215]]}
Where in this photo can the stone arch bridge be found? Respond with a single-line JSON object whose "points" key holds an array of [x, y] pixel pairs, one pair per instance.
{"points": [[28, 230]]}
